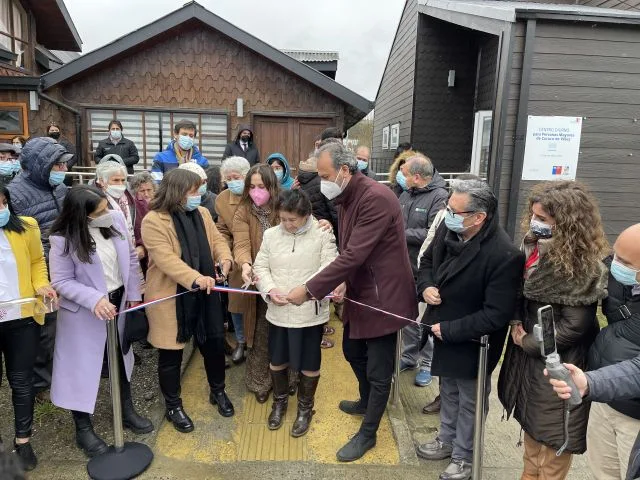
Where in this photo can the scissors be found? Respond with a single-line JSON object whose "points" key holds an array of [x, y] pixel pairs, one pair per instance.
{"points": [[246, 285]]}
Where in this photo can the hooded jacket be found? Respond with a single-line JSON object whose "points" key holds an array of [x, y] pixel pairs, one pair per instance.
{"points": [[419, 207], [235, 150], [31, 193], [167, 160], [287, 182]]}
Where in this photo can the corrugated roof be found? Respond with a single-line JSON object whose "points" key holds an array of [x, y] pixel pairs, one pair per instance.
{"points": [[313, 55], [65, 57]]}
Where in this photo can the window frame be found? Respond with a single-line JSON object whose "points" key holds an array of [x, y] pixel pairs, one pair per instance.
{"points": [[385, 138], [11, 34], [24, 119], [395, 128]]}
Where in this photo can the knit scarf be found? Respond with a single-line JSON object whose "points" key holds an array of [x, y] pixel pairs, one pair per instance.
{"points": [[263, 215], [182, 158]]}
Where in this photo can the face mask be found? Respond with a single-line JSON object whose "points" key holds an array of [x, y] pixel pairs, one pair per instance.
{"points": [[55, 135], [56, 178], [4, 217], [540, 229], [401, 180], [236, 186], [279, 174], [116, 134], [625, 275], [116, 191], [185, 142], [193, 202], [454, 222], [103, 221], [6, 168], [202, 190], [362, 165], [18, 145], [260, 196], [330, 189], [16, 166], [245, 138]]}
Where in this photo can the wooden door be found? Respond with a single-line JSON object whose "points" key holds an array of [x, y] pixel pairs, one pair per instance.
{"points": [[308, 130]]}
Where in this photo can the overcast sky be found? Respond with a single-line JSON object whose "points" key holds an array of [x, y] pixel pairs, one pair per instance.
{"points": [[360, 30]]}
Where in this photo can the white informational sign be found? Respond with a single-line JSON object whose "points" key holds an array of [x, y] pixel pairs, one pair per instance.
{"points": [[552, 148]]}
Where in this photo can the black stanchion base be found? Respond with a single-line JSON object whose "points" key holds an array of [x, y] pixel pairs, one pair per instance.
{"points": [[128, 463]]}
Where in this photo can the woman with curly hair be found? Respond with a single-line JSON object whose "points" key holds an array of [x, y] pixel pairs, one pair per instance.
{"points": [[564, 245]]}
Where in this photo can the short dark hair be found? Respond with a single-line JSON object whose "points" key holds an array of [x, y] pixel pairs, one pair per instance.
{"points": [[115, 122], [53, 124], [403, 147], [295, 201], [188, 124], [214, 179], [331, 132], [173, 189], [16, 224]]}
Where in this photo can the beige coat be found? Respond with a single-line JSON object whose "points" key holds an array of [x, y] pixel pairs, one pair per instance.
{"points": [[286, 260], [167, 270]]}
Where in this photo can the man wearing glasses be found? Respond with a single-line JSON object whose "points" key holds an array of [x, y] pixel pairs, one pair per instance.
{"points": [[469, 277]]}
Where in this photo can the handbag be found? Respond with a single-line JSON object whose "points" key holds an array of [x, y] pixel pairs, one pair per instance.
{"points": [[136, 328]]}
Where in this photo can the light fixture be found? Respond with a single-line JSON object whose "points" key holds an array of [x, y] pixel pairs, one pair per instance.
{"points": [[451, 82], [240, 107]]}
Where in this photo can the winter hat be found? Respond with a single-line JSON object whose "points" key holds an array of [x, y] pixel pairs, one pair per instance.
{"points": [[112, 157], [309, 165], [194, 168]]}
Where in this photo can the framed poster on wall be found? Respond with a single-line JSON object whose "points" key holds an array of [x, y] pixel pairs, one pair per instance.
{"points": [[385, 138], [394, 136]]}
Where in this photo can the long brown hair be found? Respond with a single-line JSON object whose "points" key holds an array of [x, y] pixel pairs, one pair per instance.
{"points": [[578, 244], [174, 188], [272, 185]]}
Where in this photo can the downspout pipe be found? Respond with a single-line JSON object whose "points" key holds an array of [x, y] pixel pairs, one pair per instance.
{"points": [[75, 112]]}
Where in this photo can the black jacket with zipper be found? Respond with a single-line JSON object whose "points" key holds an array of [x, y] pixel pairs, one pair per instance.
{"points": [[125, 148]]}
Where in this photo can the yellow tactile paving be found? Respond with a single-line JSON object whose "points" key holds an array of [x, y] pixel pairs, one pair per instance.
{"points": [[245, 437]]}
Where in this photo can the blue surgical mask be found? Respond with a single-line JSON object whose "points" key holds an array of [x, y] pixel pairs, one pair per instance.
{"points": [[202, 190], [236, 186], [4, 216], [279, 174], [623, 274], [541, 229], [362, 165], [193, 202], [185, 142], [116, 134], [454, 222], [6, 168], [56, 178], [401, 180]]}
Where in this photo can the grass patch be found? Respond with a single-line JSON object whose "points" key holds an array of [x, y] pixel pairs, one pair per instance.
{"points": [[44, 411]]}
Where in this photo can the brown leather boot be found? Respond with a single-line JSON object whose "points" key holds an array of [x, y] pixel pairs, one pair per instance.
{"points": [[306, 394], [280, 380], [433, 407]]}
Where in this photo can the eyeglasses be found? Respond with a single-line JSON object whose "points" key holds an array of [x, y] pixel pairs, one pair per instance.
{"points": [[450, 211]]}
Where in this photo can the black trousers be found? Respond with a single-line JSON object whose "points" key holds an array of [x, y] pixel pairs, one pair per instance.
{"points": [[19, 345], [372, 361], [169, 362], [43, 366]]}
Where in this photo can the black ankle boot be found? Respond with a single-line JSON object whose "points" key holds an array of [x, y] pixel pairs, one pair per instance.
{"points": [[237, 356], [180, 420], [280, 398], [24, 452], [133, 421], [86, 439], [225, 407], [306, 394]]}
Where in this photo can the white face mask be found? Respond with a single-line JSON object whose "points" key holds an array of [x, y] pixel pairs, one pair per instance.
{"points": [[116, 191], [331, 189]]}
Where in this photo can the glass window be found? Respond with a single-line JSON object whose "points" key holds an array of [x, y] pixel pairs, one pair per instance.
{"points": [[13, 118]]}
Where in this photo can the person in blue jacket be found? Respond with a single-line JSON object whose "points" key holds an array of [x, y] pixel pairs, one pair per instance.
{"points": [[280, 167], [180, 150]]}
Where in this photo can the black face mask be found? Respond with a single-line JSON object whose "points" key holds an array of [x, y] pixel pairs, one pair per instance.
{"points": [[245, 138], [55, 135]]}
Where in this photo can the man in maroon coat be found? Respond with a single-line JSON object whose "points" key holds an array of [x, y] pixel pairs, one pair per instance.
{"points": [[373, 268]]}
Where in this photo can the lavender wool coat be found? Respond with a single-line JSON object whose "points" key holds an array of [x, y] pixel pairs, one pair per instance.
{"points": [[81, 336]]}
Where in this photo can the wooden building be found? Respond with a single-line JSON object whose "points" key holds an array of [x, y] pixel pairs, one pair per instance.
{"points": [[29, 31], [464, 77], [193, 64]]}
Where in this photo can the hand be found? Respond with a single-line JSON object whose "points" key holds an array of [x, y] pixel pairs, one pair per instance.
{"points": [[298, 295], [104, 310], [226, 268], [325, 225], [517, 334], [435, 329], [579, 378], [47, 292], [296, 184], [133, 303], [339, 293], [205, 283], [141, 252], [431, 295], [247, 274], [278, 298]]}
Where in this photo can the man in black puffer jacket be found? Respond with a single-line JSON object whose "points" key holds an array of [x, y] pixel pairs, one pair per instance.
{"points": [[613, 427]]}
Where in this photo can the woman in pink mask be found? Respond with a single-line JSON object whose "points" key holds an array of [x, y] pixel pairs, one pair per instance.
{"points": [[256, 213]]}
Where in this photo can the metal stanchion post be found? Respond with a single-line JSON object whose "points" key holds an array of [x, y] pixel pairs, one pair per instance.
{"points": [[124, 460], [395, 392], [481, 389]]}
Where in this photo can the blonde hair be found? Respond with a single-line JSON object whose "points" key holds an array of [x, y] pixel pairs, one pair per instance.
{"points": [[578, 244]]}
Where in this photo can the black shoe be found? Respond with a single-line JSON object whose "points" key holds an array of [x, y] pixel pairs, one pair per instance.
{"points": [[262, 397], [433, 407], [133, 421], [280, 380], [237, 356], [225, 407], [181, 421], [25, 453], [86, 439], [356, 448], [457, 470], [353, 408], [434, 450]]}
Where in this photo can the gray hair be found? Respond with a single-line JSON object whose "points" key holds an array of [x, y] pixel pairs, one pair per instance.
{"points": [[235, 164], [140, 179], [106, 170], [481, 197], [420, 165], [340, 155]]}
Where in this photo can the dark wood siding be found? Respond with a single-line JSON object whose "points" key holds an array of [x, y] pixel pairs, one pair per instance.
{"points": [[588, 70], [394, 103], [619, 4], [488, 57]]}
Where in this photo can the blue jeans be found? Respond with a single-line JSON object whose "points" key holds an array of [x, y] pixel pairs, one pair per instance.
{"points": [[238, 326]]}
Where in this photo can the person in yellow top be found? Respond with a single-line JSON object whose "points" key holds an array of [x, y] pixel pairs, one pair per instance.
{"points": [[23, 274]]}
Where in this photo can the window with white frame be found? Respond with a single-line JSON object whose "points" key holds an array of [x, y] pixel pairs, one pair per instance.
{"points": [[14, 30], [394, 136], [385, 138], [151, 131]]}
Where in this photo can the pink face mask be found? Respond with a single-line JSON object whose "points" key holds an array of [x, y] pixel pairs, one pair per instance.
{"points": [[260, 196]]}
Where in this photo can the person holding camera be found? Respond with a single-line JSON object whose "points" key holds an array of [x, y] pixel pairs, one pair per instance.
{"points": [[564, 245]]}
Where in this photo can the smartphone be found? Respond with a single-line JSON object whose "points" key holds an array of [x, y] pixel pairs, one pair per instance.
{"points": [[548, 330]]}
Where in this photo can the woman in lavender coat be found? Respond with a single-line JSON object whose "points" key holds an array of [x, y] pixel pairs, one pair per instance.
{"points": [[95, 270]]}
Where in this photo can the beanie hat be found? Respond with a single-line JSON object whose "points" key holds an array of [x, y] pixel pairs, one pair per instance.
{"points": [[194, 168]]}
